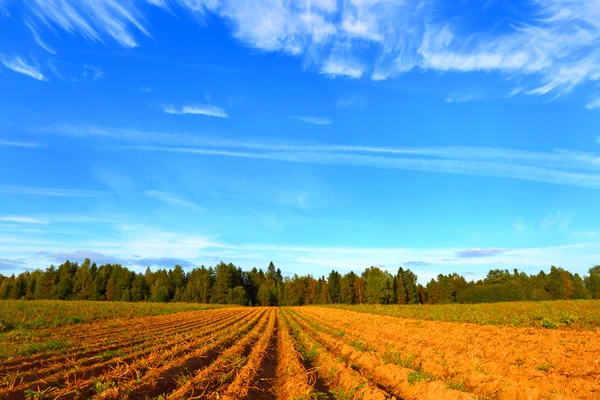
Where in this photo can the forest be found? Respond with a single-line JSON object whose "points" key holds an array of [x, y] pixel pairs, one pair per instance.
{"points": [[228, 284]]}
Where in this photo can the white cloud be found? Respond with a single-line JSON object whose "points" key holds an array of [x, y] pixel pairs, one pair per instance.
{"points": [[94, 73], [92, 20], [558, 167], [350, 101], [21, 220], [340, 67], [163, 249], [514, 92], [294, 199], [462, 98], [17, 64], [556, 221], [554, 43], [197, 109], [50, 192], [169, 198], [34, 31], [314, 120], [593, 104], [450, 166], [14, 143], [585, 234]]}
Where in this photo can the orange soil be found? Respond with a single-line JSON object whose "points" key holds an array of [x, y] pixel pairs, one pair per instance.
{"points": [[294, 381], [339, 376], [496, 362], [76, 371], [256, 353], [214, 379], [247, 378], [83, 346]]}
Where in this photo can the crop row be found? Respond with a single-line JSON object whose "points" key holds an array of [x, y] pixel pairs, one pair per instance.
{"points": [[425, 359]]}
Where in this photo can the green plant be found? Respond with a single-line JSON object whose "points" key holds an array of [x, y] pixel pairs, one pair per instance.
{"points": [[418, 376], [543, 367]]}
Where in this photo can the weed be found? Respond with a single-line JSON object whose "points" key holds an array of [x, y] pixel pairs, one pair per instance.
{"points": [[544, 367], [418, 376], [457, 384], [395, 357], [548, 324], [360, 346]]}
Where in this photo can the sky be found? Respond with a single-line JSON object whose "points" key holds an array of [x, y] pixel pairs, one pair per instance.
{"points": [[318, 134]]}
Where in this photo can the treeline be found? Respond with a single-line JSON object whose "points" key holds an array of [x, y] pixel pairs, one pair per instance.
{"points": [[228, 284]]}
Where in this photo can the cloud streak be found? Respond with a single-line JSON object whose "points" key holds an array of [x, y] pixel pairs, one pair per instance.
{"points": [[197, 109], [314, 120], [560, 166], [47, 192], [164, 249], [553, 43], [6, 264], [17, 64], [169, 198], [21, 220], [14, 143], [478, 253], [462, 167]]}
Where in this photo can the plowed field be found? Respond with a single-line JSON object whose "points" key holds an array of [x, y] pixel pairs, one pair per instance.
{"points": [[303, 353]]}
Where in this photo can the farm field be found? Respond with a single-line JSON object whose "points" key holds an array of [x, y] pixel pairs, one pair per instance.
{"points": [[557, 314], [32, 315], [299, 353]]}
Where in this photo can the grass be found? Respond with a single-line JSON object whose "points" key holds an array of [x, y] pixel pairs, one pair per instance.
{"points": [[26, 325], [562, 314], [39, 314], [418, 376], [544, 367]]}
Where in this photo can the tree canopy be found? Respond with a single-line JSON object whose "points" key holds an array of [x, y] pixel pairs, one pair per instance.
{"points": [[229, 284]]}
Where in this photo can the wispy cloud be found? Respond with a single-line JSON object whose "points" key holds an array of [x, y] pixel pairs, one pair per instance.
{"points": [[585, 234], [51, 192], [339, 67], [197, 109], [476, 253], [6, 264], [21, 220], [165, 249], [146, 89], [463, 167], [314, 120], [351, 101], [553, 45], [34, 31], [92, 20], [17, 64], [294, 199], [593, 104], [560, 166], [101, 258], [416, 263], [556, 221], [514, 92], [14, 143], [94, 73], [462, 98], [171, 199]]}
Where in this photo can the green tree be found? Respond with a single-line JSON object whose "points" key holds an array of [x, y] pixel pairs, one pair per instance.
{"points": [[160, 294], [83, 281], [379, 287], [592, 282], [334, 281]]}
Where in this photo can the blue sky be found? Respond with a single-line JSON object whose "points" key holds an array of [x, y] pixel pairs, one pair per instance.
{"points": [[440, 136]]}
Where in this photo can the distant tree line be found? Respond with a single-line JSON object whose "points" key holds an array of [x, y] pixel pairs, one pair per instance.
{"points": [[228, 284]]}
